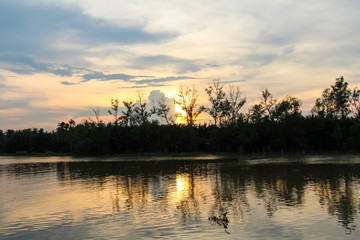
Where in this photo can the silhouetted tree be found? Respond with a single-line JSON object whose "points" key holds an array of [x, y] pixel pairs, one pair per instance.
{"points": [[235, 102], [335, 101], [256, 113], [97, 114], [272, 125], [114, 110], [141, 115], [162, 110], [340, 96], [355, 102], [135, 114], [187, 99], [128, 119], [219, 104], [268, 103], [266, 108], [287, 106]]}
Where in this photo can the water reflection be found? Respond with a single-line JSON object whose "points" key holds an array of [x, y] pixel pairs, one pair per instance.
{"points": [[340, 196], [182, 186], [145, 193]]}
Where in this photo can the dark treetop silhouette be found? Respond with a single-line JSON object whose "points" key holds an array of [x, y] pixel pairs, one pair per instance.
{"points": [[272, 125]]}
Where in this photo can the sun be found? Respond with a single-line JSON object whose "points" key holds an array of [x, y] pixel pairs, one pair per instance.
{"points": [[181, 114], [179, 110]]}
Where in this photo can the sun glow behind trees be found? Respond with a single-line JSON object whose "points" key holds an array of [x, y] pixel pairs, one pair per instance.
{"points": [[180, 114], [92, 51], [187, 98], [225, 108], [271, 125]]}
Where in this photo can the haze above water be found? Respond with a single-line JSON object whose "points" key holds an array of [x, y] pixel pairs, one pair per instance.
{"points": [[121, 198]]}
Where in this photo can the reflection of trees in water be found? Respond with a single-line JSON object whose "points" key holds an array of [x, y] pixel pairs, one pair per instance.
{"points": [[189, 193], [340, 196], [134, 190], [229, 191], [181, 185], [278, 185], [19, 169], [284, 185]]}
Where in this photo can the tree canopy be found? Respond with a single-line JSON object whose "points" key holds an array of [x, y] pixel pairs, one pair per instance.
{"points": [[271, 125]]}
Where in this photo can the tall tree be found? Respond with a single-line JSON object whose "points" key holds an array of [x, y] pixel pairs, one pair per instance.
{"points": [[268, 103], [355, 102], [340, 95], [187, 99], [135, 114], [114, 110], [141, 115], [287, 106], [335, 100], [127, 119], [256, 113], [162, 109], [234, 104], [270, 108], [219, 104], [97, 114], [265, 109]]}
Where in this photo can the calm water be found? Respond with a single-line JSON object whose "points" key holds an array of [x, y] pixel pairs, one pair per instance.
{"points": [[278, 198]]}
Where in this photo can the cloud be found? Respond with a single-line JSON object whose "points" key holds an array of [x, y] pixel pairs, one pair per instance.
{"points": [[24, 102], [47, 117], [134, 87], [156, 96], [68, 83], [258, 60], [99, 76], [26, 65], [159, 80], [180, 65], [15, 103], [286, 46], [22, 64], [234, 81], [156, 82], [2, 85], [33, 29]]}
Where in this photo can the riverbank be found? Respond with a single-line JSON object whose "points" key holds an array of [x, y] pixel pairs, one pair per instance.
{"points": [[189, 155]]}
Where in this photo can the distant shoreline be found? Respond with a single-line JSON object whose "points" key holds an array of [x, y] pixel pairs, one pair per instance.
{"points": [[191, 155]]}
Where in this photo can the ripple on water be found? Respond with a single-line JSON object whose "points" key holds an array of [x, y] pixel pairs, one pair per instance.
{"points": [[173, 199]]}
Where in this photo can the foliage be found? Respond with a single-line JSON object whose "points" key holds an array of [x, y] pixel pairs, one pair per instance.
{"points": [[235, 102], [162, 110], [335, 101], [187, 99], [268, 103], [271, 109], [114, 110], [141, 115], [355, 102], [224, 108], [271, 125], [287, 107], [219, 104]]}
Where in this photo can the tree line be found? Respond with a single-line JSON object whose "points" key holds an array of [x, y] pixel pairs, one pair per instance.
{"points": [[272, 125]]}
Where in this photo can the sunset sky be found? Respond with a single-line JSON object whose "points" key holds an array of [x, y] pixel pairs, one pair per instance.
{"points": [[59, 59]]}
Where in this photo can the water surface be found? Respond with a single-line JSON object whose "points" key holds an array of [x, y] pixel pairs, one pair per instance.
{"points": [[313, 197]]}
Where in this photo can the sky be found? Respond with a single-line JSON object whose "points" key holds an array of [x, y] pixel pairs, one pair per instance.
{"points": [[62, 59]]}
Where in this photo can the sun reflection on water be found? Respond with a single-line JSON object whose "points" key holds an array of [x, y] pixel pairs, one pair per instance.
{"points": [[138, 200], [182, 186]]}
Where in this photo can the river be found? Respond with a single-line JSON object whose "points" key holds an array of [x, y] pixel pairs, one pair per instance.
{"points": [[204, 197]]}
